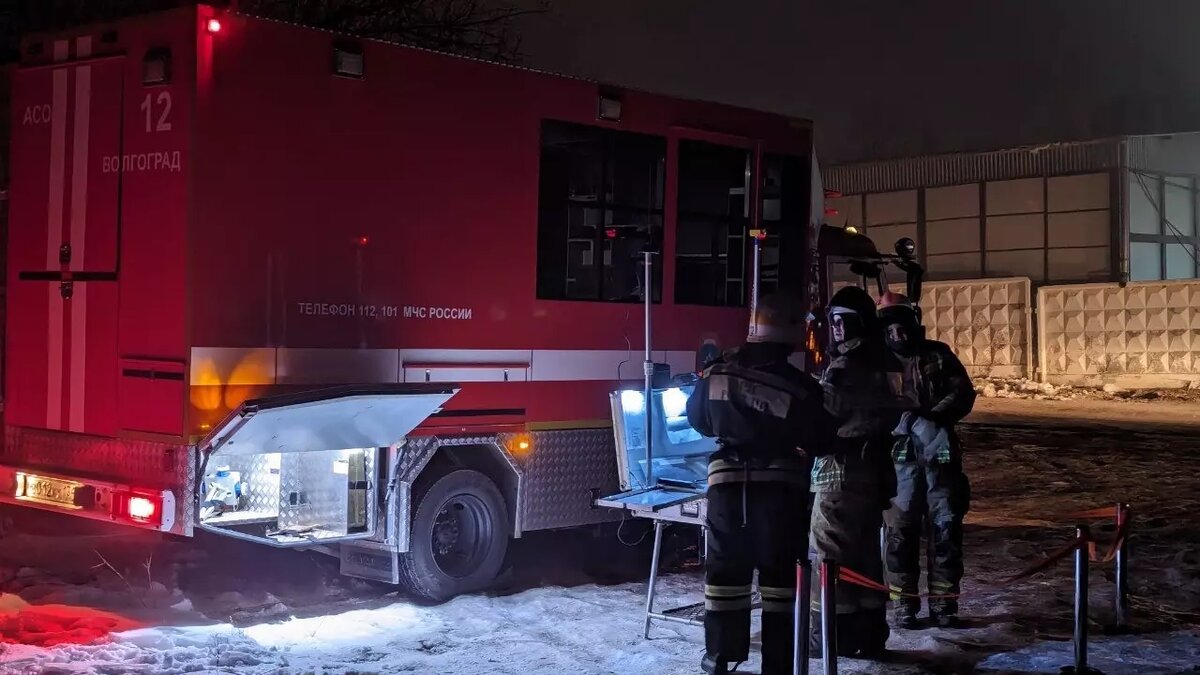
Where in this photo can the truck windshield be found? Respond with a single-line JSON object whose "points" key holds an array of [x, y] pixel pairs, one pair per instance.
{"points": [[840, 275]]}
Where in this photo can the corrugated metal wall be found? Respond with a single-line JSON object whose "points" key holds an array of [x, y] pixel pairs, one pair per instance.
{"points": [[938, 170], [1035, 215]]}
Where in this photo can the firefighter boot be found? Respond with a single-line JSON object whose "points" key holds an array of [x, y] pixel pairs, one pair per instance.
{"points": [[873, 632], [944, 614], [904, 615], [713, 667], [848, 643]]}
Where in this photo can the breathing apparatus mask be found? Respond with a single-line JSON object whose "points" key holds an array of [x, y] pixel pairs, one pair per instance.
{"points": [[851, 318], [902, 328]]}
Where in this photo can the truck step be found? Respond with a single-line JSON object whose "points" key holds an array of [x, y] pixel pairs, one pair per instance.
{"points": [[369, 562]]}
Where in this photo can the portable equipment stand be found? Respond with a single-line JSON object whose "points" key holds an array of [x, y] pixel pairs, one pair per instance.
{"points": [[648, 363]]}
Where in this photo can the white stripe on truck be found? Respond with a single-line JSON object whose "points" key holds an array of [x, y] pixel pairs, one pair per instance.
{"points": [[79, 204], [54, 223], [295, 366]]}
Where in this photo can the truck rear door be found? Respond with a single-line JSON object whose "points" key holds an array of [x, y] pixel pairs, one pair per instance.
{"points": [[63, 241]]}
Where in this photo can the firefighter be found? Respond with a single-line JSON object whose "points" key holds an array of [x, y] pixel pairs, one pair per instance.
{"points": [[854, 483], [931, 489], [762, 410]]}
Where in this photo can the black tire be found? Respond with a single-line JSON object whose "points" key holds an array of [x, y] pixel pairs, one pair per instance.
{"points": [[460, 534]]}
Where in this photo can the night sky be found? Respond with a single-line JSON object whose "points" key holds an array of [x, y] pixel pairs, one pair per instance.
{"points": [[884, 78]]}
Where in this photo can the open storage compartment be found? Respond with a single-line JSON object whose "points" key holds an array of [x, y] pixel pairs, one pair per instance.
{"points": [[680, 455], [298, 470]]}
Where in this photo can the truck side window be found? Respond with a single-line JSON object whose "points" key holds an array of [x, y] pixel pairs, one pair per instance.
{"points": [[600, 195], [711, 244], [785, 185]]}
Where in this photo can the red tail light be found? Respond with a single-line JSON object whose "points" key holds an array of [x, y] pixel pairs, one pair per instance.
{"points": [[213, 25], [139, 507], [142, 508]]}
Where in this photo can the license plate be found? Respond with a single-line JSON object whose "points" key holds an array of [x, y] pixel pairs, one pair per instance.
{"points": [[47, 490]]}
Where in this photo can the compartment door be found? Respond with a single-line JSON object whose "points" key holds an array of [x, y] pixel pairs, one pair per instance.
{"points": [[340, 418], [64, 238]]}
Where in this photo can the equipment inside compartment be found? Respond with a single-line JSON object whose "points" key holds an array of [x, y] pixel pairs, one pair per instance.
{"points": [[289, 498]]}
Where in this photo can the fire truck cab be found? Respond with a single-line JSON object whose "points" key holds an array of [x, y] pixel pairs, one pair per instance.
{"points": [[315, 291]]}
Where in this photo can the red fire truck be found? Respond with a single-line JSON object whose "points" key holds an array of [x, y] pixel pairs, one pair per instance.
{"points": [[315, 291]]}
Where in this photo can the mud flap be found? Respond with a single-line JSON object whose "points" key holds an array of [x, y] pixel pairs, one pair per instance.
{"points": [[302, 469], [377, 563]]}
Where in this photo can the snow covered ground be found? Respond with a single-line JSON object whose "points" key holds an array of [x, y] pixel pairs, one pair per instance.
{"points": [[94, 600]]}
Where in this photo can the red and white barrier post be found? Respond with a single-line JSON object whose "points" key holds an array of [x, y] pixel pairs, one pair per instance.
{"points": [[800, 623], [1121, 573], [829, 576], [1082, 555]]}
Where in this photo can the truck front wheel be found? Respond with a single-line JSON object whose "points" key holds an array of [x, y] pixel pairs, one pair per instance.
{"points": [[460, 535]]}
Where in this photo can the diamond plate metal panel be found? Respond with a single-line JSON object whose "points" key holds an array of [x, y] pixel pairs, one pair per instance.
{"points": [[262, 478], [185, 503], [261, 475], [557, 482], [564, 474], [985, 321], [138, 463], [411, 458], [1142, 334], [313, 495], [415, 453]]}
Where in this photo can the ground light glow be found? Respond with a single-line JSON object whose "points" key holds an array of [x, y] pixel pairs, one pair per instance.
{"points": [[357, 627]]}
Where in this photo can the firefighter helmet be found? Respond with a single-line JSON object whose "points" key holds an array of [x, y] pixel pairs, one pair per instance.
{"points": [[901, 325], [852, 319], [777, 318]]}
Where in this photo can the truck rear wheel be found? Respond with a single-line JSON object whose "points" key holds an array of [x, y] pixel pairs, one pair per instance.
{"points": [[460, 535]]}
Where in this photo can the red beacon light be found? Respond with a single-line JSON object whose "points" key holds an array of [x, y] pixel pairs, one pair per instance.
{"points": [[363, 240], [213, 25]]}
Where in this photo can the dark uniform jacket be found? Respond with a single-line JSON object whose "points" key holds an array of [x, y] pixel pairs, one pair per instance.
{"points": [[865, 392], [943, 387], [762, 409]]}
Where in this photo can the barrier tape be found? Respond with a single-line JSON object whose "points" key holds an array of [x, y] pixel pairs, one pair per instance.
{"points": [[850, 576], [859, 579], [1118, 542], [1090, 514]]}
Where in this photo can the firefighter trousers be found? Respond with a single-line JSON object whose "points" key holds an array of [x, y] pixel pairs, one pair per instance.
{"points": [[845, 528], [936, 495], [753, 525]]}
